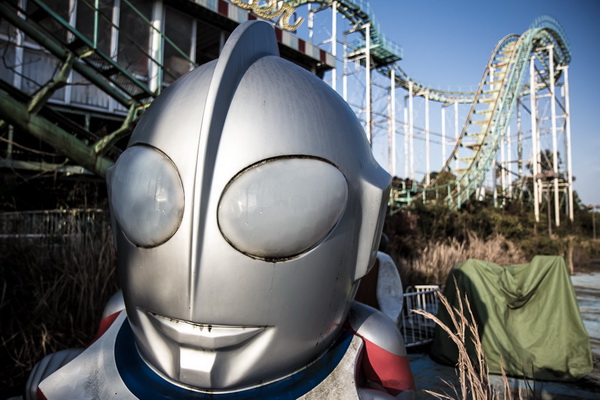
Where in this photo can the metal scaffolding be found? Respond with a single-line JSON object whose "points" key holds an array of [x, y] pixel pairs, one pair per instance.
{"points": [[509, 138], [494, 152]]}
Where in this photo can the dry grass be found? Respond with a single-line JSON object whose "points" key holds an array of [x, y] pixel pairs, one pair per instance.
{"points": [[433, 264], [53, 292], [473, 373]]}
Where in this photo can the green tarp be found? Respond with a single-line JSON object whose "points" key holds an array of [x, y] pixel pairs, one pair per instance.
{"points": [[527, 316]]}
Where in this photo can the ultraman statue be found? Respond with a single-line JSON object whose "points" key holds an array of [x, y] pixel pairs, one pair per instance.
{"points": [[246, 209]]}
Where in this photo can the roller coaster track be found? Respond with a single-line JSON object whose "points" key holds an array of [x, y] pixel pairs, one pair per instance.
{"points": [[491, 105], [494, 102], [384, 52]]}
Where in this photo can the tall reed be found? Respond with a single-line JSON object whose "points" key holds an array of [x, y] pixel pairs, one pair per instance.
{"points": [[473, 374], [433, 263]]}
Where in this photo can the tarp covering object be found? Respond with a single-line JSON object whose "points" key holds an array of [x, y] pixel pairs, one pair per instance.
{"points": [[527, 315]]}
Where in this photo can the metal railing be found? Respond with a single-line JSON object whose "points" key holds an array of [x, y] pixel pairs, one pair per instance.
{"points": [[415, 328], [50, 224], [359, 12]]}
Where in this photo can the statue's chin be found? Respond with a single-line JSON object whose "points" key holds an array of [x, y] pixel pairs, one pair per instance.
{"points": [[207, 357]]}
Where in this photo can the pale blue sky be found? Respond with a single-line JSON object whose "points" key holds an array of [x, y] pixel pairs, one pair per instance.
{"points": [[447, 43]]}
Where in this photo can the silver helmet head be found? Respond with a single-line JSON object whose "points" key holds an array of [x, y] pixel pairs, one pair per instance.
{"points": [[247, 206]]}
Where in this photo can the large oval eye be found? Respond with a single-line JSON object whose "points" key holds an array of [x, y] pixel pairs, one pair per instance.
{"points": [[282, 207], [146, 196]]}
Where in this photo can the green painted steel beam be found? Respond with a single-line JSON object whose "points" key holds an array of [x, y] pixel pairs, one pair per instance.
{"points": [[359, 11], [61, 53], [141, 87], [17, 114]]}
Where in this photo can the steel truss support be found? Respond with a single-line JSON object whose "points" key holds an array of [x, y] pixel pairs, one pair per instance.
{"points": [[519, 140], [406, 138], [411, 131], [456, 132], [534, 139], [334, 42], [554, 137], [392, 125], [368, 82], [491, 130], [444, 158], [427, 147], [156, 46], [550, 177], [568, 142]]}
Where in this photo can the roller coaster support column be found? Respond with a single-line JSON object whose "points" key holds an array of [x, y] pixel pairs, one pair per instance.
{"points": [[503, 164], [368, 81], [17, 79], [494, 169], [405, 131], [443, 119], [534, 139], [568, 142], [411, 130], [310, 23], [554, 138], [456, 129], [519, 142], [72, 22], [494, 188], [114, 47], [345, 67], [156, 46], [392, 125], [334, 43], [427, 156], [508, 171], [19, 50]]}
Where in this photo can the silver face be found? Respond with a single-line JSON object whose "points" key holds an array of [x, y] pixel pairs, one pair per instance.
{"points": [[247, 206]]}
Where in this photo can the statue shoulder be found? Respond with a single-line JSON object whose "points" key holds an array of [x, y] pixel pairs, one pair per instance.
{"points": [[376, 327], [385, 362]]}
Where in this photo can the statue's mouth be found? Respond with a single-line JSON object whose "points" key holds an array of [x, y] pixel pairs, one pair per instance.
{"points": [[204, 336]]}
